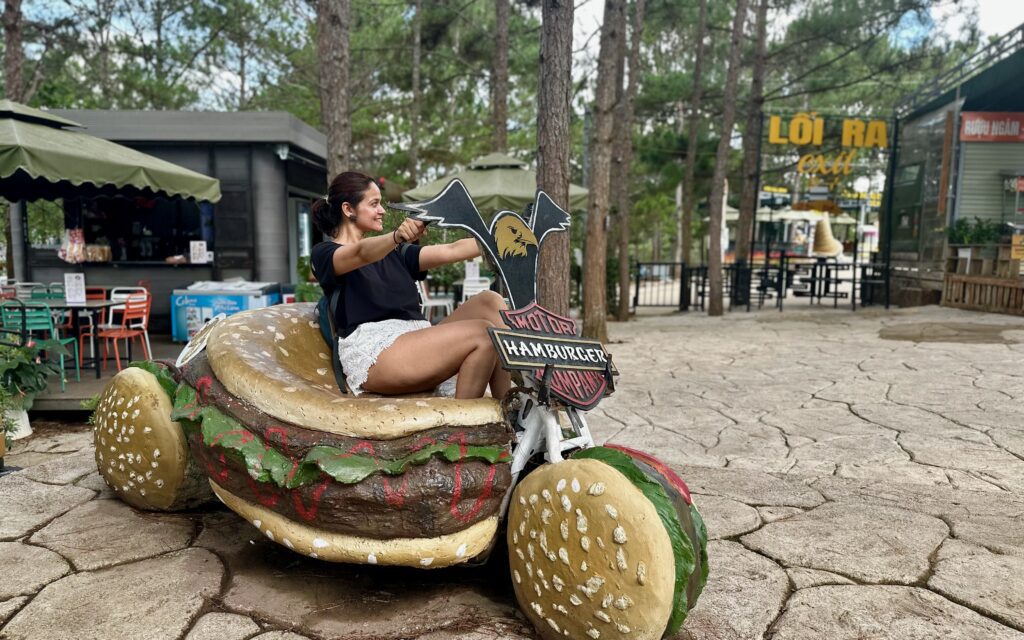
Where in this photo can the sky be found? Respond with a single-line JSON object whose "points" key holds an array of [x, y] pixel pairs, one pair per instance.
{"points": [[995, 17]]}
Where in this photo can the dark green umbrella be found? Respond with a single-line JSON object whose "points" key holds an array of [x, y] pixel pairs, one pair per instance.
{"points": [[41, 159], [497, 183]]}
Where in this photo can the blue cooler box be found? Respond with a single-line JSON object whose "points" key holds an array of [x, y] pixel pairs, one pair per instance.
{"points": [[193, 307]]}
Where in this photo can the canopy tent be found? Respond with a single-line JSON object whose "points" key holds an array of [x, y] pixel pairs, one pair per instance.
{"points": [[496, 182], [41, 159]]}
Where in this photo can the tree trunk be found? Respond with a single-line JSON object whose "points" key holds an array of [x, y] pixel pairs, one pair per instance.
{"points": [[751, 139], [721, 157], [333, 20], [625, 144], [499, 91], [553, 143], [242, 54], [414, 116], [14, 58], [686, 220], [595, 306]]}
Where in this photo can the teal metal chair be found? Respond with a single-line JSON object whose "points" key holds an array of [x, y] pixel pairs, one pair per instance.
{"points": [[39, 319]]}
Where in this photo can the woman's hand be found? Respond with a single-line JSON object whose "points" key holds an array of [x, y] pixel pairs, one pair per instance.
{"points": [[410, 230]]}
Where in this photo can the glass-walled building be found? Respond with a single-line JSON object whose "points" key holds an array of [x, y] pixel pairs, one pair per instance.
{"points": [[959, 156]]}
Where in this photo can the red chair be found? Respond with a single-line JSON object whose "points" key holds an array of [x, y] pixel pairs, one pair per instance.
{"points": [[134, 321], [87, 324]]}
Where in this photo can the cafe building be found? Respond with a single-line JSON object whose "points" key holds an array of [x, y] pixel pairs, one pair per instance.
{"points": [[954, 205], [270, 166]]}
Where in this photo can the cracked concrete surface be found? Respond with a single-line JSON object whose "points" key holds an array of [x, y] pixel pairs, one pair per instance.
{"points": [[861, 475]]}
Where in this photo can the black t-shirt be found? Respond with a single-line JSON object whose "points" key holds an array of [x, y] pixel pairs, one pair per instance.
{"points": [[383, 290]]}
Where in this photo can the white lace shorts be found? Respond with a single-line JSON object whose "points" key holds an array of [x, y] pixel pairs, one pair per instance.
{"points": [[359, 351]]}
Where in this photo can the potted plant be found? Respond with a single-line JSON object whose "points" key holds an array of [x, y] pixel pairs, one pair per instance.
{"points": [[987, 233], [8, 425], [24, 373], [959, 234], [975, 241]]}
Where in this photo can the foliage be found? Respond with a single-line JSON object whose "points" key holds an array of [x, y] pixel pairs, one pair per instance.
{"points": [[980, 232], [45, 222], [835, 57], [444, 277], [306, 291], [25, 372], [90, 404], [7, 423]]}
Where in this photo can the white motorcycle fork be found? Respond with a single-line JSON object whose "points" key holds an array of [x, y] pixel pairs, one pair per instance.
{"points": [[537, 429]]}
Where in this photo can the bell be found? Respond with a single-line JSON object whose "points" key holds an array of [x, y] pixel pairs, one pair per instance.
{"points": [[825, 243]]}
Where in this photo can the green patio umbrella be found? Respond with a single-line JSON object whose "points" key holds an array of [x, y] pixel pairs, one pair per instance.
{"points": [[496, 182], [41, 159]]}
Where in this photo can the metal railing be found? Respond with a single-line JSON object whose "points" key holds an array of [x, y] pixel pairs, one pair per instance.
{"points": [[1004, 47], [747, 286]]}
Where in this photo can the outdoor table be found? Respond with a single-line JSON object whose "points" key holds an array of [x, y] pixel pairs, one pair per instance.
{"points": [[833, 277], [75, 308]]}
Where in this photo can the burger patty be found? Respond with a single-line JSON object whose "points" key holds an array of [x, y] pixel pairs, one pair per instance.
{"points": [[426, 501]]}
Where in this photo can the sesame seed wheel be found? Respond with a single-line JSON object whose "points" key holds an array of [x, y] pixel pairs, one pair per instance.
{"points": [[589, 555], [141, 454]]}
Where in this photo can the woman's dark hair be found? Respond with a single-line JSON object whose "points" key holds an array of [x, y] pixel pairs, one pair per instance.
{"points": [[350, 187]]}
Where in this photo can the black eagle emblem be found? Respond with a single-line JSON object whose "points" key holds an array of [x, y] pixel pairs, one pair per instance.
{"points": [[512, 241]]}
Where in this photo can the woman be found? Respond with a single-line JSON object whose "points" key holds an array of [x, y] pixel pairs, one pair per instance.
{"points": [[385, 344]]}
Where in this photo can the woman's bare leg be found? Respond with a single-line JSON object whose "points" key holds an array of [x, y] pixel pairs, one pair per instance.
{"points": [[482, 306], [421, 360], [486, 306]]}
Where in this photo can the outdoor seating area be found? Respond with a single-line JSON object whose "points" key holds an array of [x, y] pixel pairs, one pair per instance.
{"points": [[116, 316]]}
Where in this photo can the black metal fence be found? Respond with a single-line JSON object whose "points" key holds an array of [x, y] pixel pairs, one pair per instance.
{"points": [[820, 280]]}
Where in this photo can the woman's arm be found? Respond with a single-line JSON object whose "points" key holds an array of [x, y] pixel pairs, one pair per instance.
{"points": [[440, 254], [350, 257]]}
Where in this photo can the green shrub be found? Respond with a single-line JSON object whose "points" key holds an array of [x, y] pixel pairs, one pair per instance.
{"points": [[24, 372], [7, 423], [980, 232]]}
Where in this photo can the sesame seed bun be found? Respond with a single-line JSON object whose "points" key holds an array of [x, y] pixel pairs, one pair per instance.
{"points": [[589, 555], [140, 452]]}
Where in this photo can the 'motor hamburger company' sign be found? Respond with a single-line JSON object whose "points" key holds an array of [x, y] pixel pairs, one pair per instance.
{"points": [[538, 338]]}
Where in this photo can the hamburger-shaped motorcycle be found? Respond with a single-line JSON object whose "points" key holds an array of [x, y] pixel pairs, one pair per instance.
{"points": [[603, 542]]}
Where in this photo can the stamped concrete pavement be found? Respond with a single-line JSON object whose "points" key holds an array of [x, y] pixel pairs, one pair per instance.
{"points": [[862, 476]]}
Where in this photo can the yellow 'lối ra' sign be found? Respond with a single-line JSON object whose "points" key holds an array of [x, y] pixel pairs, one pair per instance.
{"points": [[807, 129]]}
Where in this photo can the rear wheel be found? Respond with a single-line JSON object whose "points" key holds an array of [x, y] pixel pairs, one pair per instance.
{"points": [[141, 454]]}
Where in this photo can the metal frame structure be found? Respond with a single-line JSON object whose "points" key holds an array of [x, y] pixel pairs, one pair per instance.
{"points": [[1005, 46]]}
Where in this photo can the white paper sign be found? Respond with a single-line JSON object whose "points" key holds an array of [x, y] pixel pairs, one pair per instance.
{"points": [[472, 270], [197, 251], [74, 288]]}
